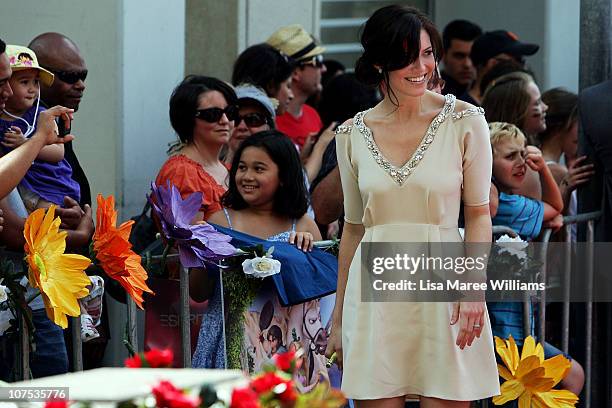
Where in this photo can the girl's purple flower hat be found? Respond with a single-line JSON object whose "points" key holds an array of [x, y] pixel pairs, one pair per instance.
{"points": [[197, 243]]}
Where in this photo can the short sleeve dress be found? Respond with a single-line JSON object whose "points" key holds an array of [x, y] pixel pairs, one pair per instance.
{"points": [[390, 348]]}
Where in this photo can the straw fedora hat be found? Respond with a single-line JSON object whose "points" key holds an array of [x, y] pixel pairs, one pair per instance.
{"points": [[295, 42]]}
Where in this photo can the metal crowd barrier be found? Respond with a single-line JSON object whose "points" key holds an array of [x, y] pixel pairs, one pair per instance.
{"points": [[568, 222]]}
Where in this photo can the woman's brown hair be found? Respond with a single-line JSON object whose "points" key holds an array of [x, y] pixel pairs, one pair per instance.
{"points": [[506, 99]]}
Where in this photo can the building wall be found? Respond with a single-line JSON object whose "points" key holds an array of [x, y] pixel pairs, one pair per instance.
{"points": [[237, 25], [92, 25], [553, 24]]}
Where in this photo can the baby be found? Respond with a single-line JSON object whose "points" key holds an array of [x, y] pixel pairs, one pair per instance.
{"points": [[49, 179]]}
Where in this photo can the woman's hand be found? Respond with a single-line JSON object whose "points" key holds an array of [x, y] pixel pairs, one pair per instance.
{"points": [[470, 316], [334, 345], [46, 126], [13, 137], [577, 174], [303, 240]]}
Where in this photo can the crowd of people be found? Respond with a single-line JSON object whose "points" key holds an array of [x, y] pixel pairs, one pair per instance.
{"points": [[430, 133]]}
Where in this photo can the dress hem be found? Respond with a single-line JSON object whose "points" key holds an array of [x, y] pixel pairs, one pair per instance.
{"points": [[411, 393]]}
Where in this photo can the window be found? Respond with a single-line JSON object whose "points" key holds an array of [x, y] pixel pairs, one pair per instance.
{"points": [[341, 23]]}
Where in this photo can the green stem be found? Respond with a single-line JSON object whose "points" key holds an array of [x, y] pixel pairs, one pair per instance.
{"points": [[164, 256]]}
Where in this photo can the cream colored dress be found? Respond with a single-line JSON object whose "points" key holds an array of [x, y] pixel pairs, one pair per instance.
{"points": [[393, 349]]}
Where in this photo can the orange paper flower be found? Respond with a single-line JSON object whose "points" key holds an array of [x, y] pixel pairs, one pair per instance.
{"points": [[59, 277], [114, 251]]}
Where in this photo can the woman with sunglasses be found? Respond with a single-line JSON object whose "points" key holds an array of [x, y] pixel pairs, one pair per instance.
{"points": [[256, 114], [202, 112]]}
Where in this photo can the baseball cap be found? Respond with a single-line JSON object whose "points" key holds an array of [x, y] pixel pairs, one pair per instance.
{"points": [[497, 42], [295, 42], [254, 93], [22, 58]]}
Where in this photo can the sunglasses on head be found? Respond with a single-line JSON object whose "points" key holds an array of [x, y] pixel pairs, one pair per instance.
{"points": [[69, 77], [213, 115], [253, 119], [316, 61]]}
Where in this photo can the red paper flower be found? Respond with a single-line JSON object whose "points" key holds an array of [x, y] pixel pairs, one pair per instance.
{"points": [[265, 382], [151, 359], [244, 398], [272, 382], [56, 403], [168, 396], [133, 362], [159, 358], [285, 361]]}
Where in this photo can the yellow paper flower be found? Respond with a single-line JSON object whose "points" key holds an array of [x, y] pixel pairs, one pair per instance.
{"points": [[530, 378], [59, 277]]}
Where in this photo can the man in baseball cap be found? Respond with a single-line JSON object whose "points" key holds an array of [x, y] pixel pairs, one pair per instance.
{"points": [[491, 48], [300, 121]]}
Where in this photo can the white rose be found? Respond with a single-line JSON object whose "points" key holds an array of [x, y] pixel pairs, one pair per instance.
{"points": [[261, 267], [513, 246], [3, 293]]}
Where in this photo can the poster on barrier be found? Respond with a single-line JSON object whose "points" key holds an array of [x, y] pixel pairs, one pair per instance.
{"points": [[270, 328]]}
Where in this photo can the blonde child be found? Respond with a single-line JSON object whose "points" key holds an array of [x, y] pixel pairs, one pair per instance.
{"points": [[511, 157]]}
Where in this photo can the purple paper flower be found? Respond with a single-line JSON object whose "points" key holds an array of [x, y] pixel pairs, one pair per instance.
{"points": [[196, 242]]}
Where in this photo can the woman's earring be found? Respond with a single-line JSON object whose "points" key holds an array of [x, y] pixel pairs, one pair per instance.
{"points": [[379, 70]]}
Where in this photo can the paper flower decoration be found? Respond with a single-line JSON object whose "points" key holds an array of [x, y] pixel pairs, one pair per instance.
{"points": [[114, 251], [530, 378], [196, 243], [59, 277]]}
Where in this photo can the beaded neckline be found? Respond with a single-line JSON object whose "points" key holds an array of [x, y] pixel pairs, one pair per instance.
{"points": [[400, 174]]}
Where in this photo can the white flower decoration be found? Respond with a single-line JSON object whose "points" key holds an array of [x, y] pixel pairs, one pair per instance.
{"points": [[261, 267], [3, 292], [513, 246]]}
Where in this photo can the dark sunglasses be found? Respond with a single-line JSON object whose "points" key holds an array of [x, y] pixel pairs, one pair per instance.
{"points": [[253, 119], [316, 61], [69, 77], [213, 115]]}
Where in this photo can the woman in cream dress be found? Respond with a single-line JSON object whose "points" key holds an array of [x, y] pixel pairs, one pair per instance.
{"points": [[406, 165]]}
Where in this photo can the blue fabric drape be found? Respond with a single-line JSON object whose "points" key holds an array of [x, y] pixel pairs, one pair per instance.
{"points": [[304, 275]]}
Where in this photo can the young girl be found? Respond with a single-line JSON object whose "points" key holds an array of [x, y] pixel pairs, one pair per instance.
{"points": [[266, 199], [49, 179]]}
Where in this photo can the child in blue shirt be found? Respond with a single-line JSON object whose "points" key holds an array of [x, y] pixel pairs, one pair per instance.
{"points": [[511, 160]]}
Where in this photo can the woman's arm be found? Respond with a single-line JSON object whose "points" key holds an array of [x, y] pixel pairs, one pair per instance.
{"points": [[51, 153], [470, 315], [15, 164], [351, 237]]}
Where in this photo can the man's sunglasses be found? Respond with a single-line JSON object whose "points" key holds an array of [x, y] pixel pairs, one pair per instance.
{"points": [[213, 115], [316, 61], [69, 77], [252, 119]]}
